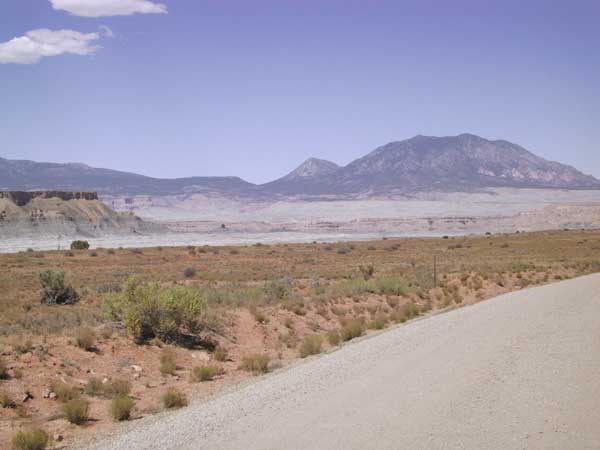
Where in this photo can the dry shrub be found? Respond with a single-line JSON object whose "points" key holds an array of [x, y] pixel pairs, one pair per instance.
{"points": [[65, 392], [117, 388], [54, 290], [205, 373], [256, 363], [220, 354], [334, 338], [33, 439], [6, 400], [121, 407], [311, 345], [173, 398], [85, 338], [3, 369], [94, 387], [77, 411], [168, 362], [189, 272], [353, 329]]}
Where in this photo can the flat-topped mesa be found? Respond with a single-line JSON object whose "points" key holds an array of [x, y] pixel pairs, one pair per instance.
{"points": [[21, 198]]}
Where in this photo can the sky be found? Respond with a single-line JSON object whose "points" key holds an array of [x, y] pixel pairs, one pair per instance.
{"points": [[176, 88]]}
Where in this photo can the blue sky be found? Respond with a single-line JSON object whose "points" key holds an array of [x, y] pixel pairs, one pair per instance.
{"points": [[193, 87]]}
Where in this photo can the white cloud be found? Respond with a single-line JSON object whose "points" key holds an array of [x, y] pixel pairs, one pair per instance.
{"points": [[106, 31], [102, 8], [36, 44]]}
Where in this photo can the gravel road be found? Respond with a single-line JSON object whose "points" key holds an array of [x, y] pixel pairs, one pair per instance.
{"points": [[521, 371]]}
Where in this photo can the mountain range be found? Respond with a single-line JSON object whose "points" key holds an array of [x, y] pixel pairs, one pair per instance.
{"points": [[423, 163]]}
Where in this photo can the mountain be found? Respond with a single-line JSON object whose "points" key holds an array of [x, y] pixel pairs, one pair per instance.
{"points": [[426, 163], [30, 175], [304, 178], [422, 163]]}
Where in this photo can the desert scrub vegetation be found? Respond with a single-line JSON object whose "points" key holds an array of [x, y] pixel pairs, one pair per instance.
{"points": [[3, 369], [149, 310], [168, 362], [334, 338], [80, 245], [85, 339], [352, 329], [311, 345], [121, 408], [256, 364], [6, 401], [221, 353], [76, 411], [33, 439], [65, 392], [205, 373], [54, 291], [173, 398]]}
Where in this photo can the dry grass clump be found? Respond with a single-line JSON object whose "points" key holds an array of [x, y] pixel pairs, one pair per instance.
{"points": [[256, 363], [94, 387], [379, 322], [121, 408], [352, 329], [3, 370], [220, 354], [65, 392], [334, 338], [173, 398], [6, 400], [168, 362], [205, 373], [77, 411], [311, 345], [33, 439], [85, 338], [117, 388]]}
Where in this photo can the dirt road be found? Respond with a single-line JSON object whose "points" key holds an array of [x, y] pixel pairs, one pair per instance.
{"points": [[521, 371]]}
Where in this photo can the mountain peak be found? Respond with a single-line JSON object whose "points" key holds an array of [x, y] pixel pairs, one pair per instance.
{"points": [[312, 168]]}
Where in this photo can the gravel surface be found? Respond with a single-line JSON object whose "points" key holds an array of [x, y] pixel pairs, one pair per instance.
{"points": [[521, 371]]}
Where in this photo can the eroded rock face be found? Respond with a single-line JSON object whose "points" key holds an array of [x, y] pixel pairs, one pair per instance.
{"points": [[22, 198]]}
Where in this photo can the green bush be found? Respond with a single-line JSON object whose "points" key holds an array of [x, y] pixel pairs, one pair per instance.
{"points": [[80, 245], [121, 407], [54, 290], [168, 362], [77, 411], [391, 285], [149, 310], [353, 329], [311, 346], [205, 373], [34, 439], [174, 399], [256, 363]]}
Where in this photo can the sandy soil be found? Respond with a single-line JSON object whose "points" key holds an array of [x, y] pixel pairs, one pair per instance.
{"points": [[515, 372]]}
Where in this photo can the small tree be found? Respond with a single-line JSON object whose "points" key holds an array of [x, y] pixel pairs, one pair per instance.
{"points": [[80, 245], [54, 290]]}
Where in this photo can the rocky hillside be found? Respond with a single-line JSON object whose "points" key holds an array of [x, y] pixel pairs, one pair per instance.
{"points": [[422, 163], [63, 214], [30, 175]]}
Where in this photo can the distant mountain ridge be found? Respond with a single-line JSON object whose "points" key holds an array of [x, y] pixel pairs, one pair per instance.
{"points": [[422, 163]]}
